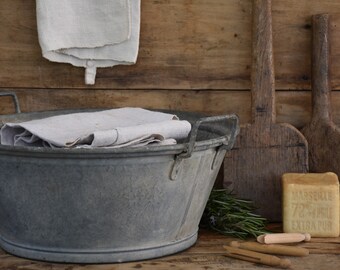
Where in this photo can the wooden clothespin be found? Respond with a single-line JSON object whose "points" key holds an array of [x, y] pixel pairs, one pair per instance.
{"points": [[271, 249], [256, 257], [281, 238]]}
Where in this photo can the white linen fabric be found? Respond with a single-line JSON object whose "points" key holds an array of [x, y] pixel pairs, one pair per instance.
{"points": [[89, 33], [109, 128]]}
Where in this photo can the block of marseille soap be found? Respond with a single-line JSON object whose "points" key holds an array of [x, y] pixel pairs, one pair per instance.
{"points": [[311, 203]]}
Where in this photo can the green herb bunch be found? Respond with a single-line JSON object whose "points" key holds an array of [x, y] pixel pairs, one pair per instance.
{"points": [[231, 216]]}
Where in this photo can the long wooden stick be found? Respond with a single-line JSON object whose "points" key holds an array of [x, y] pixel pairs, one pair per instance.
{"points": [[271, 249], [321, 102]]}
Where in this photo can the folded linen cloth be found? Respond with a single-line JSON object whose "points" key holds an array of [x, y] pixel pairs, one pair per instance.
{"points": [[109, 128], [89, 33]]}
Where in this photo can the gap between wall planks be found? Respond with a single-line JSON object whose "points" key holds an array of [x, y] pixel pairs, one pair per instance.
{"points": [[184, 45]]}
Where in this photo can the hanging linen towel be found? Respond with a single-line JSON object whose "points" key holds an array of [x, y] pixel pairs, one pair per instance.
{"points": [[89, 33], [108, 128]]}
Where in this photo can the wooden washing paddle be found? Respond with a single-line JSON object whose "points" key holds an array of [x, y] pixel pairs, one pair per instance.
{"points": [[322, 134], [264, 150]]}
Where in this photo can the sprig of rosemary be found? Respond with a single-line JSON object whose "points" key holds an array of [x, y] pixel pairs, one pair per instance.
{"points": [[231, 216]]}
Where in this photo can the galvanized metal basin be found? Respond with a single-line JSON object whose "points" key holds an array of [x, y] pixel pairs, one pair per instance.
{"points": [[109, 205]]}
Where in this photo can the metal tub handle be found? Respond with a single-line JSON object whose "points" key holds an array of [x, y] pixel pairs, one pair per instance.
{"points": [[193, 136], [15, 100]]}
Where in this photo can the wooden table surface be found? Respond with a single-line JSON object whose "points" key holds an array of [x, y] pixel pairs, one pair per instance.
{"points": [[207, 254]]}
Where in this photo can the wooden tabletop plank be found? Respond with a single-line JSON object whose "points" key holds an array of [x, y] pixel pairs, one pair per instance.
{"points": [[206, 254]]}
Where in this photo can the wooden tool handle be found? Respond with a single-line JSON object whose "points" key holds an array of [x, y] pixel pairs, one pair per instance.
{"points": [[271, 249], [320, 69], [262, 74], [256, 257], [281, 238]]}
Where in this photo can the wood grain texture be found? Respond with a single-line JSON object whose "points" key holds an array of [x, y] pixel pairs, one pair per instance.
{"points": [[184, 45], [174, 34], [292, 107], [206, 254], [264, 150], [322, 134]]}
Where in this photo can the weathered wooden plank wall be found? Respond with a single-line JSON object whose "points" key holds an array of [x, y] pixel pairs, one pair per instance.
{"points": [[194, 55]]}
